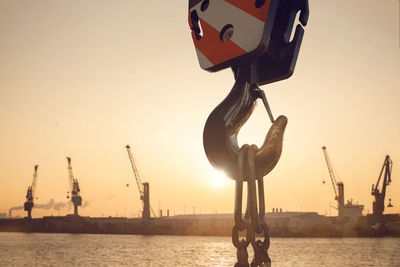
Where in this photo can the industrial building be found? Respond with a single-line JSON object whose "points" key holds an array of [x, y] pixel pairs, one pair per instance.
{"points": [[292, 221]]}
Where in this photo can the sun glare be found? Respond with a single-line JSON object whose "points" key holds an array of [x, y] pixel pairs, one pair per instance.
{"points": [[218, 179]]}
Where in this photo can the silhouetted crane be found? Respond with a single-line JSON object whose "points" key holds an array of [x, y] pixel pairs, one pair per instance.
{"points": [[30, 195], [378, 206], [76, 199], [143, 188], [339, 193]]}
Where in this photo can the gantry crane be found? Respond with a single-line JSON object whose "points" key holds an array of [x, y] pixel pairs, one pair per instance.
{"points": [[378, 206], [143, 188], [339, 193], [76, 199], [30, 194]]}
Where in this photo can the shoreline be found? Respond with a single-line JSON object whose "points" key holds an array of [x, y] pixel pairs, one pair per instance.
{"points": [[182, 227]]}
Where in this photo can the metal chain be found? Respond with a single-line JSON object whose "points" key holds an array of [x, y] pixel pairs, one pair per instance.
{"points": [[241, 224], [253, 221], [260, 248]]}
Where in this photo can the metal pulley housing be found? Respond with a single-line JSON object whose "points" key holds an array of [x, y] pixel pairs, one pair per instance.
{"points": [[230, 33]]}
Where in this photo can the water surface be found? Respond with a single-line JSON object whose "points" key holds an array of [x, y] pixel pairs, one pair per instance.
{"points": [[18, 249]]}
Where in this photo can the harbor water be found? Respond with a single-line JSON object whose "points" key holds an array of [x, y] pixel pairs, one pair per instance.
{"points": [[19, 249]]}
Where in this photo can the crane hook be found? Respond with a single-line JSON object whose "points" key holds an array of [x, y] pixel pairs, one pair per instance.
{"points": [[223, 125]]}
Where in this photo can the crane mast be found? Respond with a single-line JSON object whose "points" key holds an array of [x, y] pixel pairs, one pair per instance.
{"points": [[30, 194], [378, 206], [339, 193], [76, 199], [143, 188]]}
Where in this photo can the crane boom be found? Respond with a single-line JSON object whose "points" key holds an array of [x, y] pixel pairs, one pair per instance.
{"points": [[34, 181], [70, 175], [135, 171], [330, 169]]}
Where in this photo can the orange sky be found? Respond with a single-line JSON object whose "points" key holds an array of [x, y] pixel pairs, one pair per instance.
{"points": [[85, 78]]}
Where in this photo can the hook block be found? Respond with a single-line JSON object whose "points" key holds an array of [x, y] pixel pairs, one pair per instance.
{"points": [[231, 33]]}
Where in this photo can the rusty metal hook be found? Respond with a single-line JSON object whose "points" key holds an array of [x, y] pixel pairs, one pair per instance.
{"points": [[223, 125]]}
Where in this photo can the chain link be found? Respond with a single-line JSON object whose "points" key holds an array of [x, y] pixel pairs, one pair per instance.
{"points": [[253, 221], [261, 257], [241, 224], [241, 245]]}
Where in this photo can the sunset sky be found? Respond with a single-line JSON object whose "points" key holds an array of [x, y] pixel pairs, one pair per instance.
{"points": [[84, 78]]}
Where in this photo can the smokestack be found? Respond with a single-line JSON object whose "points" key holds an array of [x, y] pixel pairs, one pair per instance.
{"points": [[9, 213], [167, 213]]}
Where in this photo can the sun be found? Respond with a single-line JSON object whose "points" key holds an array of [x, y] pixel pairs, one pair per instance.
{"points": [[218, 178]]}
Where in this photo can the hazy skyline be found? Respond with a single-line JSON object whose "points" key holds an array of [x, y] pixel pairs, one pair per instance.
{"points": [[85, 78]]}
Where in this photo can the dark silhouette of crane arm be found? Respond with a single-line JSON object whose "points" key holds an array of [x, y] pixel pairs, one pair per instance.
{"points": [[135, 171], [330, 169]]}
